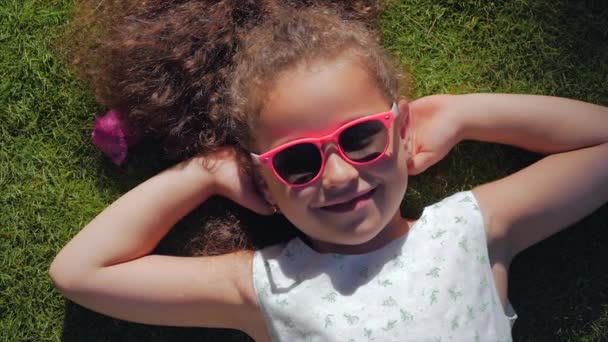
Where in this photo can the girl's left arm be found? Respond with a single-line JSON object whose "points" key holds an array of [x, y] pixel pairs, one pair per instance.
{"points": [[543, 124], [555, 192]]}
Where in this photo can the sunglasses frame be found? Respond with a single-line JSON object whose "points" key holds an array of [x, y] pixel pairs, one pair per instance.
{"points": [[387, 118]]}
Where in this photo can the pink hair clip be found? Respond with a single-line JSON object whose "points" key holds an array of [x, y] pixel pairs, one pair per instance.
{"points": [[113, 136]]}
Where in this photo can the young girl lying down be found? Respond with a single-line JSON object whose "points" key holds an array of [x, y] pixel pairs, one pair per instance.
{"points": [[323, 136]]}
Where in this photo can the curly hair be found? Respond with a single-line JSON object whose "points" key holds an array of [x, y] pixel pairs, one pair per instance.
{"points": [[181, 71], [305, 36], [164, 65]]}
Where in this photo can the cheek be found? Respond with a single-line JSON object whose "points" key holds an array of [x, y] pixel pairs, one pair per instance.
{"points": [[270, 184], [394, 162], [285, 196]]}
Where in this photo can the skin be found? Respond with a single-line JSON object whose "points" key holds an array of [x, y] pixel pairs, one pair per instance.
{"points": [[312, 100]]}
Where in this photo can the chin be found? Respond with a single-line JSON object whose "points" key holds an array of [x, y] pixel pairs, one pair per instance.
{"points": [[359, 236]]}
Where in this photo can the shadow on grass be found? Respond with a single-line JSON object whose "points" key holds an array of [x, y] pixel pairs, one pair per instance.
{"points": [[578, 31], [559, 287], [83, 325]]}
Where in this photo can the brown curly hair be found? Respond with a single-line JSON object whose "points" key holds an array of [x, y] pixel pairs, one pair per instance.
{"points": [[293, 37], [164, 65], [182, 71]]}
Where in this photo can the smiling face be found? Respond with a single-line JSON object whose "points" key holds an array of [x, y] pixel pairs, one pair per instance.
{"points": [[312, 100]]}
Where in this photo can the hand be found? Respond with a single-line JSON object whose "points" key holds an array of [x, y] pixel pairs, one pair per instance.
{"points": [[231, 182], [434, 130]]}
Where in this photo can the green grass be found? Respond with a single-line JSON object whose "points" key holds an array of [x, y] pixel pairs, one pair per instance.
{"points": [[53, 181]]}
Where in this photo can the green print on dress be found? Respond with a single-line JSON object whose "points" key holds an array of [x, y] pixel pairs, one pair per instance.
{"points": [[351, 319], [434, 272], [265, 290], [454, 293], [438, 234], [389, 325], [454, 324], [385, 283], [464, 244], [434, 294], [305, 336], [330, 297], [439, 259], [397, 262], [289, 323], [466, 199], [483, 284], [460, 219], [390, 301], [470, 314], [329, 321], [368, 334], [483, 306], [406, 316]]}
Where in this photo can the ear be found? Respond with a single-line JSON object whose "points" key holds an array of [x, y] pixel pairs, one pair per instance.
{"points": [[403, 120], [262, 186]]}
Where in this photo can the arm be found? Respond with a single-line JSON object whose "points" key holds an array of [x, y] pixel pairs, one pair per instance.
{"points": [[106, 266], [537, 123], [541, 124], [557, 191]]}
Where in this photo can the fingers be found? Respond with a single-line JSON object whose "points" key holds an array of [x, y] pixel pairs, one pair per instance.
{"points": [[419, 163], [255, 201], [261, 207]]}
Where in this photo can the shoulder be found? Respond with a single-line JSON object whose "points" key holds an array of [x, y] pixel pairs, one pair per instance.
{"points": [[459, 213], [495, 231], [460, 206]]}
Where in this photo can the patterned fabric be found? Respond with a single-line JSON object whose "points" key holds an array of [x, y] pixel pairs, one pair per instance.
{"points": [[434, 283]]}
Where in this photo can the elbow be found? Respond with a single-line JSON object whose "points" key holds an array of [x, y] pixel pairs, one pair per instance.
{"points": [[65, 276], [59, 276]]}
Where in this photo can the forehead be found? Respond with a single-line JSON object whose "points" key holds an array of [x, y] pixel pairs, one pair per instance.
{"points": [[313, 99]]}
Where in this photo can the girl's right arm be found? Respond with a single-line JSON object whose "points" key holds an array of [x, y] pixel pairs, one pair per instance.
{"points": [[107, 267]]}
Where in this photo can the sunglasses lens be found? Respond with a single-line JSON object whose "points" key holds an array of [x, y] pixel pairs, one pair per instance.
{"points": [[364, 142], [298, 164]]}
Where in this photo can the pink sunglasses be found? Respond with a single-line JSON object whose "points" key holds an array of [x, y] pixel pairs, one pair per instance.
{"points": [[360, 142]]}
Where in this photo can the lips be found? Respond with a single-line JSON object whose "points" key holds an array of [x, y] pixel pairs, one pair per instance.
{"points": [[343, 201]]}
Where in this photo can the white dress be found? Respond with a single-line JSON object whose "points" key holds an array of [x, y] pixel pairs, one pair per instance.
{"points": [[434, 283]]}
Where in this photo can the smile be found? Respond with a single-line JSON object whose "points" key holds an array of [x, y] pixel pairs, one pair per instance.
{"points": [[354, 204]]}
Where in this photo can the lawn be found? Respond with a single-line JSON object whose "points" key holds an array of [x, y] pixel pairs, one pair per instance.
{"points": [[53, 181]]}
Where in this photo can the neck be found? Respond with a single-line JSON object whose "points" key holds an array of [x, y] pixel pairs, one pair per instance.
{"points": [[396, 228]]}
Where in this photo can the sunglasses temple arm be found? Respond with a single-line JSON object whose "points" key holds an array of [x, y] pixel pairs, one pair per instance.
{"points": [[255, 158]]}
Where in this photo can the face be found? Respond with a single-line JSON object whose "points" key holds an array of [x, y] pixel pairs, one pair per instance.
{"points": [[311, 101]]}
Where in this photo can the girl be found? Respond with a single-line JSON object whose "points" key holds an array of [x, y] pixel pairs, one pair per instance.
{"points": [[322, 136]]}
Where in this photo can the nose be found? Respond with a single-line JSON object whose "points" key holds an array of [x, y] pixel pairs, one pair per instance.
{"points": [[338, 172]]}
